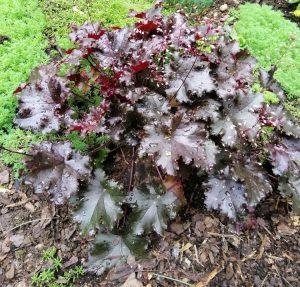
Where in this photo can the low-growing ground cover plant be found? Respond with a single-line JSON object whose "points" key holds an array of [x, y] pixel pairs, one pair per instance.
{"points": [[173, 105], [273, 41], [22, 48]]}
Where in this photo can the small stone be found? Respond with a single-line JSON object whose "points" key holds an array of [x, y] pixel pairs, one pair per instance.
{"points": [[29, 206], [4, 177], [17, 239], [223, 7], [10, 274], [176, 228], [21, 284]]}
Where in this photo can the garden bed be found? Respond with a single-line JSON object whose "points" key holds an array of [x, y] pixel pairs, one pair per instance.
{"points": [[200, 248]]}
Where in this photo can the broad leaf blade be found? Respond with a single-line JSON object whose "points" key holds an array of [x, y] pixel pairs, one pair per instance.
{"points": [[109, 250], [255, 180], [153, 209], [101, 204], [225, 195], [57, 169]]}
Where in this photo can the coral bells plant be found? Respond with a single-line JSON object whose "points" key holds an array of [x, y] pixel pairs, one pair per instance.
{"points": [[174, 101]]}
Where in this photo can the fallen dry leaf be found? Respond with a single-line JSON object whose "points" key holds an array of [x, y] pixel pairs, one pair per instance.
{"points": [[173, 184], [132, 282], [284, 229]]}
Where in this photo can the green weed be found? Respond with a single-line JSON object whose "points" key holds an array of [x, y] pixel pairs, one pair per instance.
{"points": [[53, 276]]}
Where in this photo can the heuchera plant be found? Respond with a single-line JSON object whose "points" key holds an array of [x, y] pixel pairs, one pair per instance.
{"points": [[173, 97]]}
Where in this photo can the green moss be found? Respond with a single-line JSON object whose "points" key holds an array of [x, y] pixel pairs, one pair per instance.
{"points": [[271, 98], [273, 41], [19, 141], [61, 13], [23, 23]]}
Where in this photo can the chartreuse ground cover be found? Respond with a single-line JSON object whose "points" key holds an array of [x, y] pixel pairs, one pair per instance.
{"points": [[21, 23], [21, 49], [273, 40]]}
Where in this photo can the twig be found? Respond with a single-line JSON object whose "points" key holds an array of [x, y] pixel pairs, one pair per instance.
{"points": [[17, 203], [25, 223], [132, 170], [12, 151], [173, 279], [264, 281]]}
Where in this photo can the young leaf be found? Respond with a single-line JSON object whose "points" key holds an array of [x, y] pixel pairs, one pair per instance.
{"points": [[101, 204], [109, 250], [57, 169], [153, 209], [226, 195]]}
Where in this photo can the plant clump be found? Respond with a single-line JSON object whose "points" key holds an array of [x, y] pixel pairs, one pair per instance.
{"points": [[172, 99]]}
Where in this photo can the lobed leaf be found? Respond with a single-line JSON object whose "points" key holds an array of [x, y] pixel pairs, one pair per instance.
{"points": [[153, 209], [170, 141], [101, 204], [109, 250], [56, 168], [42, 104], [226, 195]]}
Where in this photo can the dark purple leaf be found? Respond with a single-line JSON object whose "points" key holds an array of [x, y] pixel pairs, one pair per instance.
{"points": [[42, 104], [57, 169], [225, 195]]}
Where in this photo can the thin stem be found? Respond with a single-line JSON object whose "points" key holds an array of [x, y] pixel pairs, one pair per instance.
{"points": [[132, 170], [196, 58], [93, 64], [173, 279], [12, 151]]}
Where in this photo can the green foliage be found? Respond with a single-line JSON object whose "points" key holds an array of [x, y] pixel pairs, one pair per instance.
{"points": [[189, 5], [61, 13], [16, 140], [23, 23], [266, 133], [273, 41], [271, 98], [51, 277]]}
